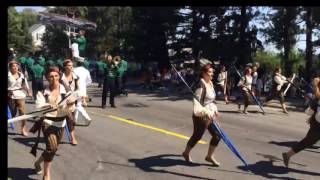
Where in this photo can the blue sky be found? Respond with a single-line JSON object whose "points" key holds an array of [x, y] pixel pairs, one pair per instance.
{"points": [[269, 47], [36, 8]]}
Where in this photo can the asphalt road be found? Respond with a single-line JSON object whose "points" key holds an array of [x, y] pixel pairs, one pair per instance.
{"points": [[143, 139]]}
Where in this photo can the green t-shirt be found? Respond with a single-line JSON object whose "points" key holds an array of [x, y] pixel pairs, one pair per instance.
{"points": [[101, 66], [38, 71], [29, 62], [60, 63], [42, 61], [123, 68], [86, 64], [50, 63], [81, 43], [22, 60]]}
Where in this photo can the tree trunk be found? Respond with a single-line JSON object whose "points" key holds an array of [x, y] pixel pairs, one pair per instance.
{"points": [[286, 43], [309, 47], [194, 39], [242, 39]]}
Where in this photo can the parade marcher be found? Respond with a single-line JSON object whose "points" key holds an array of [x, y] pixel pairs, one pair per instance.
{"points": [[100, 68], [81, 41], [110, 72], [118, 82], [276, 91], [84, 81], [37, 77], [17, 82], [313, 134], [222, 83], [71, 82], [29, 64], [254, 79], [203, 115], [22, 61], [52, 123], [123, 70], [245, 84]]}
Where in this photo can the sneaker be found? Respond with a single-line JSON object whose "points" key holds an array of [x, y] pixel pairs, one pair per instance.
{"points": [[213, 161], [285, 159], [245, 112]]}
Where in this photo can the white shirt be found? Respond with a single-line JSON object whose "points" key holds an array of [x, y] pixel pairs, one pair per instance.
{"points": [[84, 79], [246, 81], [61, 112], [254, 78], [279, 79], [209, 107], [73, 83], [15, 85], [222, 78]]}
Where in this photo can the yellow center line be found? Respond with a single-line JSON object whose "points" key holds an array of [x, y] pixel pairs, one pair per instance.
{"points": [[150, 127], [154, 128]]}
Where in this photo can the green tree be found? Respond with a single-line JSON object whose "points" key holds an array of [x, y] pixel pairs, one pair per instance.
{"points": [[282, 31]]}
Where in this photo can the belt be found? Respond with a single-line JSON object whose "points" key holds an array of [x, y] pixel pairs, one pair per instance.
{"points": [[56, 119]]}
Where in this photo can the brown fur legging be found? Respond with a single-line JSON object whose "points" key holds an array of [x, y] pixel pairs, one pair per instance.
{"points": [[199, 127], [52, 136], [71, 121]]}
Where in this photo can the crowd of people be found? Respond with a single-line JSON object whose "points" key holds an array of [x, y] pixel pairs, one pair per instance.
{"points": [[75, 73]]}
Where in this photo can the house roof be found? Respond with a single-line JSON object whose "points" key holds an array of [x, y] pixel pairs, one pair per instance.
{"points": [[35, 27]]}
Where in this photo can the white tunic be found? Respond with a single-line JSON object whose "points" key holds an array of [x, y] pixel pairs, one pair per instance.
{"points": [[222, 78], [15, 85], [209, 107], [84, 79], [61, 112], [246, 81]]}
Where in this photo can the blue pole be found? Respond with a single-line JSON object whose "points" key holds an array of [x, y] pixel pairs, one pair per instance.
{"points": [[9, 117], [68, 133]]}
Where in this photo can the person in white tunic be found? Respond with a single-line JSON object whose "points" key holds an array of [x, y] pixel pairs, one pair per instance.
{"points": [[84, 81], [245, 85], [17, 85], [204, 113], [71, 81], [52, 122], [222, 83]]}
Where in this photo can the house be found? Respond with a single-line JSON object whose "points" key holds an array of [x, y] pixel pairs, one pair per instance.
{"points": [[37, 31]]}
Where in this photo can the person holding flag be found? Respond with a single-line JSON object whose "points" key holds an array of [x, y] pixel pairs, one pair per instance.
{"points": [[245, 85], [204, 114], [278, 81], [52, 123]]}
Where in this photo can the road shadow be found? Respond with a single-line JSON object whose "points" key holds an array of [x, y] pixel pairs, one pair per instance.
{"points": [[152, 163], [135, 105], [27, 141], [294, 143], [20, 173], [267, 169]]}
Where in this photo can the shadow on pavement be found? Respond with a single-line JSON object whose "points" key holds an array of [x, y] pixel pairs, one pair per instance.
{"points": [[149, 164], [267, 169], [293, 143], [20, 173], [135, 105]]}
